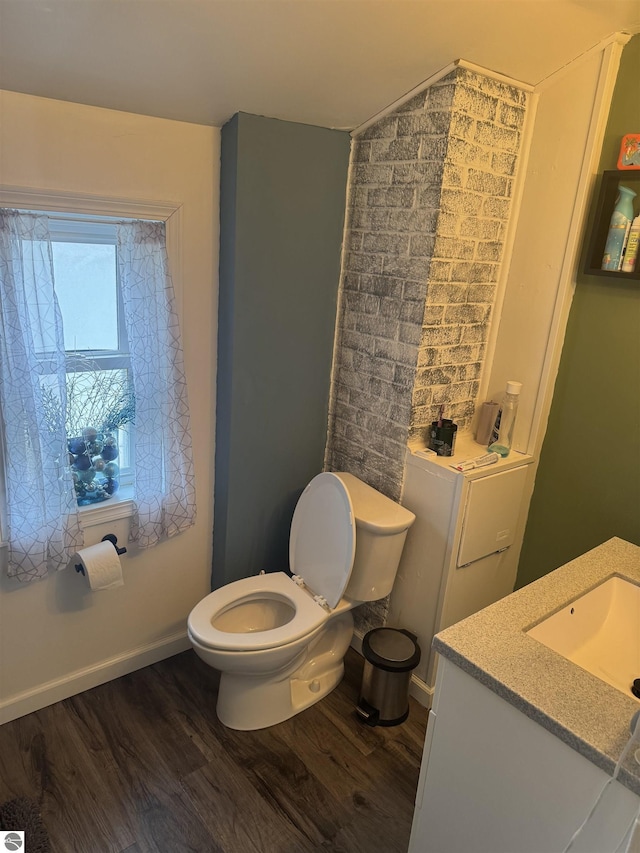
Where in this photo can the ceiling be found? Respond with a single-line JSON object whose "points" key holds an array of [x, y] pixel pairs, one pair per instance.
{"points": [[333, 63]]}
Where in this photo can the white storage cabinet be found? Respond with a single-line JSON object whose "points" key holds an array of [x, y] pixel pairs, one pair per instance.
{"points": [[461, 553]]}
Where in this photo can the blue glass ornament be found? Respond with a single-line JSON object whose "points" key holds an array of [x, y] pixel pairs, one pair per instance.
{"points": [[94, 447], [88, 476], [82, 462], [76, 445], [109, 452], [111, 486]]}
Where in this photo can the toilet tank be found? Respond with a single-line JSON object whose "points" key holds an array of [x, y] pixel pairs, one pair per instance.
{"points": [[381, 528]]}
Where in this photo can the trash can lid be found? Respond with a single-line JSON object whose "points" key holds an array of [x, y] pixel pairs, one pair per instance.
{"points": [[391, 649]]}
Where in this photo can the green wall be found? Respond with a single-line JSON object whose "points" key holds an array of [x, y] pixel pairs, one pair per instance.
{"points": [[282, 203], [588, 482]]}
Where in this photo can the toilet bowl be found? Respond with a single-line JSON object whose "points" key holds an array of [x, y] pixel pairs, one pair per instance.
{"points": [[279, 641]]}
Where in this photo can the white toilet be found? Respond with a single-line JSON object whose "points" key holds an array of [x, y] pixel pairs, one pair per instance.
{"points": [[280, 641]]}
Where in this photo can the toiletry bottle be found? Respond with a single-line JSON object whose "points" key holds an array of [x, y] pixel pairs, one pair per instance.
{"points": [[631, 254], [502, 433], [618, 229]]}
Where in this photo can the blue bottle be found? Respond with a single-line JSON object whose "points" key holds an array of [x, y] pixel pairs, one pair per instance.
{"points": [[618, 229]]}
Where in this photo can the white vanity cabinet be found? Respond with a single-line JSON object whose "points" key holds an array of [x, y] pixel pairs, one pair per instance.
{"points": [[521, 741], [461, 553], [494, 781]]}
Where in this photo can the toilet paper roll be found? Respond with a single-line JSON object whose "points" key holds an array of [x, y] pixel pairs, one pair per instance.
{"points": [[101, 565]]}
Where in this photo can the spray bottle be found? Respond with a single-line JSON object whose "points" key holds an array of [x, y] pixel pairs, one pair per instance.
{"points": [[619, 226], [502, 433]]}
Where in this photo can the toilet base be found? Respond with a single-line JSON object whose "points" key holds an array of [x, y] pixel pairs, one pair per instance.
{"points": [[250, 702]]}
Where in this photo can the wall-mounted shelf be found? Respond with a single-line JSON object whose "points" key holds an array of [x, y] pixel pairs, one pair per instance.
{"points": [[603, 210]]}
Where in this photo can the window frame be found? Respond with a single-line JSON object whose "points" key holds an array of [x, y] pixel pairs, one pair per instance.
{"points": [[78, 230], [97, 232], [61, 205]]}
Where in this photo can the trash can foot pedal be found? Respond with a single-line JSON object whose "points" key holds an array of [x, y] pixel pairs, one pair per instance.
{"points": [[367, 713]]}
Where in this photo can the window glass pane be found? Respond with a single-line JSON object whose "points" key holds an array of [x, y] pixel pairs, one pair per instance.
{"points": [[102, 399], [85, 276], [125, 445], [39, 299]]}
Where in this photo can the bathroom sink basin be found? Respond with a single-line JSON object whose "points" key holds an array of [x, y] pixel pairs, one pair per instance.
{"points": [[599, 631]]}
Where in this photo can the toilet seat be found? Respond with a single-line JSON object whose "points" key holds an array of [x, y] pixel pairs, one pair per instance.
{"points": [[322, 543], [321, 553], [308, 615]]}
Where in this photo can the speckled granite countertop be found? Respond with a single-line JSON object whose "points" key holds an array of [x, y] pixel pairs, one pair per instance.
{"points": [[586, 713]]}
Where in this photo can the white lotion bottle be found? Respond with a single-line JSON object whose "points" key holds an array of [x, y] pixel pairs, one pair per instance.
{"points": [[630, 258], [502, 433]]}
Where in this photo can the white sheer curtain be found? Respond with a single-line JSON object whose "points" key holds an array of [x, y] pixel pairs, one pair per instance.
{"points": [[43, 524], [164, 473], [42, 514]]}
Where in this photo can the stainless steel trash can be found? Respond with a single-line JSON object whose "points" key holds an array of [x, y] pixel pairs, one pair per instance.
{"points": [[391, 655]]}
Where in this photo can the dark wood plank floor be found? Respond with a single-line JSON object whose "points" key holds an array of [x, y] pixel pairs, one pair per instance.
{"points": [[142, 765]]}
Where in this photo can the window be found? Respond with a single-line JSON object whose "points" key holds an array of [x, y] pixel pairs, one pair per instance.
{"points": [[100, 399], [87, 313]]}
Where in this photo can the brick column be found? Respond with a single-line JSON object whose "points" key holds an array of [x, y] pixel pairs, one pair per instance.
{"points": [[428, 207], [429, 202]]}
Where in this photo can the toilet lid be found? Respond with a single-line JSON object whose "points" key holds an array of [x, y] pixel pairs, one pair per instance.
{"points": [[323, 537]]}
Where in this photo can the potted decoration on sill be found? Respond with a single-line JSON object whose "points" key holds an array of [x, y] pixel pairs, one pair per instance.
{"points": [[99, 403]]}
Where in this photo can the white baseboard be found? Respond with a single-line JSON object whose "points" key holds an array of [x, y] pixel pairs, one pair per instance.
{"points": [[419, 689], [84, 679]]}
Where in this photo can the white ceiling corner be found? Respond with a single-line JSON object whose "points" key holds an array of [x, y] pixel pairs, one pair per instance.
{"points": [[333, 63]]}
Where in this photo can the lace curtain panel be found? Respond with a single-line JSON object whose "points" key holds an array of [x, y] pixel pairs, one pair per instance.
{"points": [[42, 515], [164, 472]]}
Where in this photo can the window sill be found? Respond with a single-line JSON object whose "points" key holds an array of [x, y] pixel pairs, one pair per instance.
{"points": [[116, 507]]}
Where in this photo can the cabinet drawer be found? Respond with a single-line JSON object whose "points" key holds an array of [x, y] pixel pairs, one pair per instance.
{"points": [[491, 514]]}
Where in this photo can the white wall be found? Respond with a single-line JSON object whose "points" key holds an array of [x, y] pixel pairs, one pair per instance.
{"points": [[571, 114], [571, 111], [56, 637]]}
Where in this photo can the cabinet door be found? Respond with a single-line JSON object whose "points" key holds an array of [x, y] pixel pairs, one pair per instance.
{"points": [[491, 514]]}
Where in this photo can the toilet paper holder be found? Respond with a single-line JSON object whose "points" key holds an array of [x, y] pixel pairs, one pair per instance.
{"points": [[110, 537]]}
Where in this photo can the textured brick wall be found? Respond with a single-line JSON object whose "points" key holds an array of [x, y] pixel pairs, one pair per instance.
{"points": [[429, 201], [474, 205]]}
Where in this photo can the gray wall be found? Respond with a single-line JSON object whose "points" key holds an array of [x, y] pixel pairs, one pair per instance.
{"points": [[282, 215]]}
